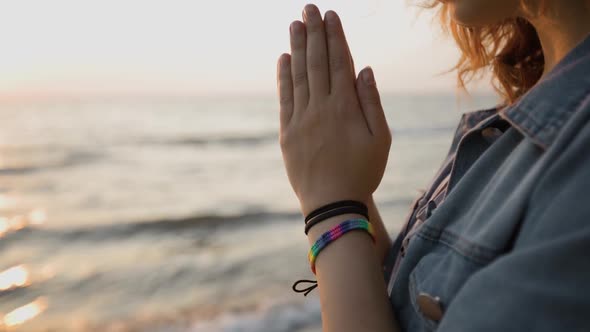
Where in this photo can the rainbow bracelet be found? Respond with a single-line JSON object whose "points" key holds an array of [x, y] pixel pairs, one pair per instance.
{"points": [[336, 232]]}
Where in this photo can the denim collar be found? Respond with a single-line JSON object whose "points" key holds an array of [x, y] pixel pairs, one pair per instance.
{"points": [[543, 110]]}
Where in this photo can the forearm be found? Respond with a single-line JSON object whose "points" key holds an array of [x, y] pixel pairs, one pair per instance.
{"points": [[383, 240], [352, 290]]}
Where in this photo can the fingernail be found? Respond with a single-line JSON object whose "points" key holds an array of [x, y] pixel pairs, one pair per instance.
{"points": [[309, 11], [368, 76], [331, 17]]}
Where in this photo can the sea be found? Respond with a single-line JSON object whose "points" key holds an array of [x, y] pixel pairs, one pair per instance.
{"points": [[176, 214]]}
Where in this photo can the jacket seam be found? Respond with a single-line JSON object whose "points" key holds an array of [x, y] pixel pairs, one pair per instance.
{"points": [[462, 246]]}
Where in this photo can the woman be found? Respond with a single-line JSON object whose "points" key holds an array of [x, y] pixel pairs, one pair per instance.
{"points": [[500, 241]]}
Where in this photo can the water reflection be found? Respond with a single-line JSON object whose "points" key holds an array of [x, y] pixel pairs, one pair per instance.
{"points": [[15, 223], [4, 226], [37, 217], [25, 313], [6, 201], [20, 275], [14, 277]]}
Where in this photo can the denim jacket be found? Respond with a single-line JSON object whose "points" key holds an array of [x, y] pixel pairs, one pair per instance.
{"points": [[500, 240]]}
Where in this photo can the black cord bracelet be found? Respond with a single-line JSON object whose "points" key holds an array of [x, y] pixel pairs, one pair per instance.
{"points": [[333, 213], [334, 205]]}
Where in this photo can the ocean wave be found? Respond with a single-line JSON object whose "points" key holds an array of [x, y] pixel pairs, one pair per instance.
{"points": [[125, 230], [237, 140], [20, 170], [271, 317], [32, 160], [72, 155], [122, 230], [230, 140]]}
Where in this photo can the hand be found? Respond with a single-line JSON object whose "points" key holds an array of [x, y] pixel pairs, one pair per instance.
{"points": [[333, 135]]}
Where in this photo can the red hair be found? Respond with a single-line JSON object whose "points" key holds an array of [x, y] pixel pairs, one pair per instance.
{"points": [[511, 48]]}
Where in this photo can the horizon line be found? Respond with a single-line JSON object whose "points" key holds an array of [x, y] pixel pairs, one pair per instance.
{"points": [[105, 97]]}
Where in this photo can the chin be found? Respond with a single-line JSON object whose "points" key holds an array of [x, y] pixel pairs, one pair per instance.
{"points": [[464, 18], [464, 15], [478, 13]]}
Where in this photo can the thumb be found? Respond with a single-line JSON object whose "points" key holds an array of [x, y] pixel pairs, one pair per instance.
{"points": [[370, 101]]}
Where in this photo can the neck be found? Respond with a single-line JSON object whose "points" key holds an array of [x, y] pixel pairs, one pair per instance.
{"points": [[561, 27]]}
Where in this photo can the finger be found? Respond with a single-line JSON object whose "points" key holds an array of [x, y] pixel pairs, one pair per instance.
{"points": [[285, 89], [371, 103], [351, 61], [298, 65], [317, 52], [341, 76], [352, 64]]}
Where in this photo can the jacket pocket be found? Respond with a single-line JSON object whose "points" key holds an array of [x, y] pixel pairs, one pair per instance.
{"points": [[422, 283], [436, 279]]}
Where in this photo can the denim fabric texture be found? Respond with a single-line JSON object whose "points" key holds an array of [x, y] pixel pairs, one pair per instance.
{"points": [[501, 238]]}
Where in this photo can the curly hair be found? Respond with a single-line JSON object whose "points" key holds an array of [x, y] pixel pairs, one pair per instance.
{"points": [[511, 48]]}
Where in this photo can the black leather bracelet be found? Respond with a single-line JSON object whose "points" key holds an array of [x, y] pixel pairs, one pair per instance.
{"points": [[335, 212], [334, 205]]}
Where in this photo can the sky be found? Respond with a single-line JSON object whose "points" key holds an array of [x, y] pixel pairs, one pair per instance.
{"points": [[174, 47]]}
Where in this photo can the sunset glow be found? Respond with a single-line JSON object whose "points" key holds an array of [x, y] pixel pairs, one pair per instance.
{"points": [[25, 313], [37, 216], [192, 47], [17, 222], [17, 276]]}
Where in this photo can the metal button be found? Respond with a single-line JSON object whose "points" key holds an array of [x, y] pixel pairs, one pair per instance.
{"points": [[430, 306], [491, 134]]}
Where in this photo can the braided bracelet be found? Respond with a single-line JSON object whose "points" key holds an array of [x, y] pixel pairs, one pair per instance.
{"points": [[335, 233], [328, 237]]}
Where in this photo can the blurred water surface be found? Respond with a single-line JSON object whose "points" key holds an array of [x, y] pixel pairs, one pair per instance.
{"points": [[174, 214]]}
